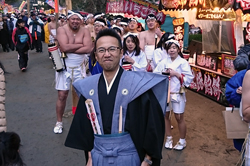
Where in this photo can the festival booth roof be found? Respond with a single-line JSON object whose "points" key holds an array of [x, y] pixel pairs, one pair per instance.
{"points": [[215, 20]]}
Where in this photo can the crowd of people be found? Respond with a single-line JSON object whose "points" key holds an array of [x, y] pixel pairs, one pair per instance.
{"points": [[130, 69]]}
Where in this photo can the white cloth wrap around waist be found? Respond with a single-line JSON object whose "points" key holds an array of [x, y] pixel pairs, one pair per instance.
{"points": [[149, 51], [53, 31], [75, 60]]}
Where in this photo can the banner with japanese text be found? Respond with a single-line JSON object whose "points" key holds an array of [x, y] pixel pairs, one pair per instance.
{"points": [[244, 5], [114, 6], [22, 5], [138, 8], [179, 30], [188, 4], [52, 4], [209, 84], [2, 3]]}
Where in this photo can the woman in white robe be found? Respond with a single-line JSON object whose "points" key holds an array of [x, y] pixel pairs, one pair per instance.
{"points": [[160, 53], [180, 76], [132, 54]]}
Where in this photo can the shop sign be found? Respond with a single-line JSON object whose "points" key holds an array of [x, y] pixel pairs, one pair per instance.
{"points": [[209, 84], [227, 15], [179, 30], [138, 8]]}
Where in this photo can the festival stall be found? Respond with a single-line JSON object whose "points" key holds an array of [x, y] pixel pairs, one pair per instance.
{"points": [[212, 59]]}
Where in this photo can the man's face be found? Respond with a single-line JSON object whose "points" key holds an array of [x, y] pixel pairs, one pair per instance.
{"points": [[97, 28], [151, 23], [132, 25], [109, 61], [52, 18], [118, 22], [22, 25], [34, 17], [62, 19], [74, 22], [125, 28], [91, 20]]}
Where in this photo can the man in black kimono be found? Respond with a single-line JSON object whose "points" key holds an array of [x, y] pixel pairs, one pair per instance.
{"points": [[142, 97]]}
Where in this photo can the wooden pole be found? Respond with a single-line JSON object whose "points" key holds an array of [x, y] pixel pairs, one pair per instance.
{"points": [[68, 5], [57, 12], [28, 8]]}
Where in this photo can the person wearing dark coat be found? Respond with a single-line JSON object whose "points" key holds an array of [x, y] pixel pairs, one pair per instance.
{"points": [[22, 40], [4, 35]]}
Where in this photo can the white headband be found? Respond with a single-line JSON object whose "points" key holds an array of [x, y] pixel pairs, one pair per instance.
{"points": [[90, 15], [133, 19], [77, 14], [99, 22], [123, 23], [149, 18], [129, 33], [171, 36], [98, 15], [173, 41]]}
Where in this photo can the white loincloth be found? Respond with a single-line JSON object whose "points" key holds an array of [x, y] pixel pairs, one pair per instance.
{"points": [[76, 70], [149, 51], [51, 38]]}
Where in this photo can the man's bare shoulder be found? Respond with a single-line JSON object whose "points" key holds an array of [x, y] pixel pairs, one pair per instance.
{"points": [[61, 30]]}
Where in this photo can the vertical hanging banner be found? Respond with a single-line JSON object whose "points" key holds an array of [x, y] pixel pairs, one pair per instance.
{"points": [[52, 4], [22, 5], [2, 3], [114, 6], [179, 30]]}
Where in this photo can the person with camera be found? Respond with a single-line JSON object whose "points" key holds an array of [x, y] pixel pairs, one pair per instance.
{"points": [[35, 28]]}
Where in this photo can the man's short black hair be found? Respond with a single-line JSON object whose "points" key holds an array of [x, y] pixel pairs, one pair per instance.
{"points": [[109, 32]]}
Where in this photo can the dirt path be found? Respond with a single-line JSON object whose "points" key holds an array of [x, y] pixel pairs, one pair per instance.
{"points": [[207, 144]]}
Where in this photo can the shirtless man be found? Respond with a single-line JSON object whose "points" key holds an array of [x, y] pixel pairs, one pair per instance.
{"points": [[133, 25], [90, 25], [99, 25], [62, 21], [147, 38], [52, 29], [75, 41]]}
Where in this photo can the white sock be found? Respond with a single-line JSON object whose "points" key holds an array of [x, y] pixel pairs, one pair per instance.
{"points": [[169, 137], [182, 141], [59, 123]]}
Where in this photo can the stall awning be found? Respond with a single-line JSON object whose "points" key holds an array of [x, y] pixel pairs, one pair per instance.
{"points": [[189, 4]]}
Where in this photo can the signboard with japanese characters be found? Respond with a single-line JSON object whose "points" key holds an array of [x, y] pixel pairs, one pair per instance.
{"points": [[209, 14], [244, 5], [179, 30], [210, 84], [188, 4], [138, 8], [115, 6], [207, 61], [246, 34], [227, 65]]}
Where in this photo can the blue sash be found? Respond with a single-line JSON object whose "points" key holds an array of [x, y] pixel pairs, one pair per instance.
{"points": [[114, 149]]}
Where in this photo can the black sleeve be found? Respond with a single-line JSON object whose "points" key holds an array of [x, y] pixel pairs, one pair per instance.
{"points": [[80, 134], [146, 125]]}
